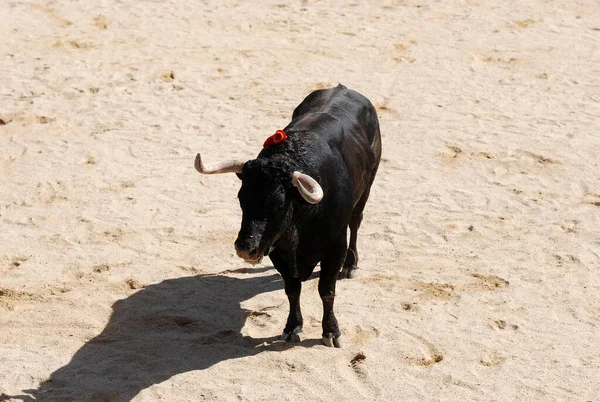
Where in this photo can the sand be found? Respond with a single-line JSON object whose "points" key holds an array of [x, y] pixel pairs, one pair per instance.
{"points": [[480, 247]]}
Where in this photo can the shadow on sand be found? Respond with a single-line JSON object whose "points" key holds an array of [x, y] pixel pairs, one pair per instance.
{"points": [[166, 329]]}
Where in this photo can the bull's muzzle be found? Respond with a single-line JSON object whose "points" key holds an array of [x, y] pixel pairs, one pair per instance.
{"points": [[248, 253]]}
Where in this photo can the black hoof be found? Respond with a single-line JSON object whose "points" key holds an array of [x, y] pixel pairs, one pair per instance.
{"points": [[348, 272], [291, 336], [332, 342]]}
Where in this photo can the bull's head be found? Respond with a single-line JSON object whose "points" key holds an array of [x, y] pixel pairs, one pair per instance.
{"points": [[268, 189]]}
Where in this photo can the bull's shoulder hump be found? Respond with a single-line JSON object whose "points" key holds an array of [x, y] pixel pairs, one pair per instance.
{"points": [[323, 99]]}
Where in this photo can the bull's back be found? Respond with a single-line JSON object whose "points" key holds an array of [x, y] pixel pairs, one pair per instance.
{"points": [[350, 108], [344, 137]]}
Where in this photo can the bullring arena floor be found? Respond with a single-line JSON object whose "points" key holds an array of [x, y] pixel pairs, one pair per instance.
{"points": [[480, 247]]}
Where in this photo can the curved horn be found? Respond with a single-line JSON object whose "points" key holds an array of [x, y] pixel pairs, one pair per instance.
{"points": [[308, 187], [223, 167]]}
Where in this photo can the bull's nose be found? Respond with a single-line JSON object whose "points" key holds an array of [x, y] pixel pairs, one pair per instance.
{"points": [[245, 252]]}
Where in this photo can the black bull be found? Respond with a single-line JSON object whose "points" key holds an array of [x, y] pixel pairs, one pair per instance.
{"points": [[299, 196]]}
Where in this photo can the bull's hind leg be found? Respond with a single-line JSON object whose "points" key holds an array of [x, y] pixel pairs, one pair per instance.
{"points": [[352, 254], [351, 263]]}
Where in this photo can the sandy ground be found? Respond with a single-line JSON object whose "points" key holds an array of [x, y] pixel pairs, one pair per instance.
{"points": [[480, 247]]}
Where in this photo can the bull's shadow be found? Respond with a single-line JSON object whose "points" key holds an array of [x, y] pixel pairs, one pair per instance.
{"points": [[169, 328]]}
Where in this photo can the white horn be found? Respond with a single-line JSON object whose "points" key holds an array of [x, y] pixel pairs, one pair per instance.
{"points": [[308, 187], [224, 167]]}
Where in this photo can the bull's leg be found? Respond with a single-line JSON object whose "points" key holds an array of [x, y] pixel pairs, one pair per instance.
{"points": [[351, 262], [293, 328], [293, 286], [330, 267]]}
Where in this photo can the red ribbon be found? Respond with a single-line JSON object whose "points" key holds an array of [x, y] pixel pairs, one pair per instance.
{"points": [[277, 138]]}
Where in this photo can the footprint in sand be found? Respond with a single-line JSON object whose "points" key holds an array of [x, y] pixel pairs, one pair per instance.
{"points": [[167, 76], [264, 320], [16, 262], [364, 334], [481, 61], [134, 284], [492, 358], [9, 297], [100, 22], [487, 282], [502, 325], [100, 268], [570, 226], [454, 152], [566, 260], [260, 318], [542, 160], [113, 234], [37, 120], [435, 291], [71, 44], [500, 164], [430, 354], [592, 199], [356, 363], [411, 307]]}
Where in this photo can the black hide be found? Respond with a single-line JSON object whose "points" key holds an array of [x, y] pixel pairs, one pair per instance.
{"points": [[334, 138]]}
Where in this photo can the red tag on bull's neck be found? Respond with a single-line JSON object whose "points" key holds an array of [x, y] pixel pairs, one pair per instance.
{"points": [[277, 138]]}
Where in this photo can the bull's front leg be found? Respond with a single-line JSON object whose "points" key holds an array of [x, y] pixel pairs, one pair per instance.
{"points": [[286, 266], [330, 267], [293, 327]]}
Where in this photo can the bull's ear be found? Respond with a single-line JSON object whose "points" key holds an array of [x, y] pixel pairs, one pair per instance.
{"points": [[308, 187]]}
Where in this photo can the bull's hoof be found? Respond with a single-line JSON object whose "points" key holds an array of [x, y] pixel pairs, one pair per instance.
{"points": [[332, 342], [292, 336], [348, 272]]}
